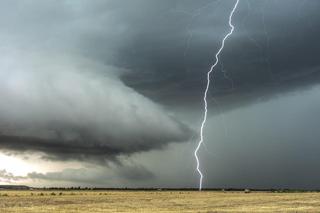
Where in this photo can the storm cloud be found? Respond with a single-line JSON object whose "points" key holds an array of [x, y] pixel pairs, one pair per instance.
{"points": [[71, 105], [272, 51], [96, 81], [73, 110]]}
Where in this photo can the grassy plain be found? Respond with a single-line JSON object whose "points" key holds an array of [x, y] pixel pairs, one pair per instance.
{"points": [[156, 201]]}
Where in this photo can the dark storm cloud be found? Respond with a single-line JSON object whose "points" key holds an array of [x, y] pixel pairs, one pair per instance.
{"points": [[74, 111], [72, 72], [274, 49], [60, 97], [135, 173], [169, 52]]}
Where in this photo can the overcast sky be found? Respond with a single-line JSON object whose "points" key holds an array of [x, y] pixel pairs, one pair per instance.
{"points": [[109, 93]]}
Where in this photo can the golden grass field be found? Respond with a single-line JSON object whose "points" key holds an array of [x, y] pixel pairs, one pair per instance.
{"points": [[157, 201]]}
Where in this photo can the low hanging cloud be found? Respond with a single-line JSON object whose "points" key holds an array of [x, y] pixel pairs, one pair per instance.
{"points": [[69, 109], [8, 177], [94, 175]]}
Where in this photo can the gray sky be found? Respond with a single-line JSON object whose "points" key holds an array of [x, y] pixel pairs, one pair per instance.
{"points": [[109, 93]]}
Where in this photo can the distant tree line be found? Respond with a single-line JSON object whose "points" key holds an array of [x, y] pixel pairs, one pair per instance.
{"points": [[23, 187]]}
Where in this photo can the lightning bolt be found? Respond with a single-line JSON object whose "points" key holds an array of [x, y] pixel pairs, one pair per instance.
{"points": [[206, 92]]}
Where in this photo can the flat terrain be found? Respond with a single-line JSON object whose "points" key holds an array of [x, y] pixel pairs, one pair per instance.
{"points": [[157, 201]]}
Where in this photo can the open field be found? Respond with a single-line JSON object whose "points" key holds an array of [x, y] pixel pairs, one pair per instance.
{"points": [[157, 201]]}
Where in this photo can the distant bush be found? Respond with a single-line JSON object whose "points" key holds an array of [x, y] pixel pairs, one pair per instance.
{"points": [[5, 195], [41, 194], [60, 193], [53, 194]]}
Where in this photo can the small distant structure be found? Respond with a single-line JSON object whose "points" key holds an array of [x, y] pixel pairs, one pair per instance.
{"points": [[247, 191]]}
